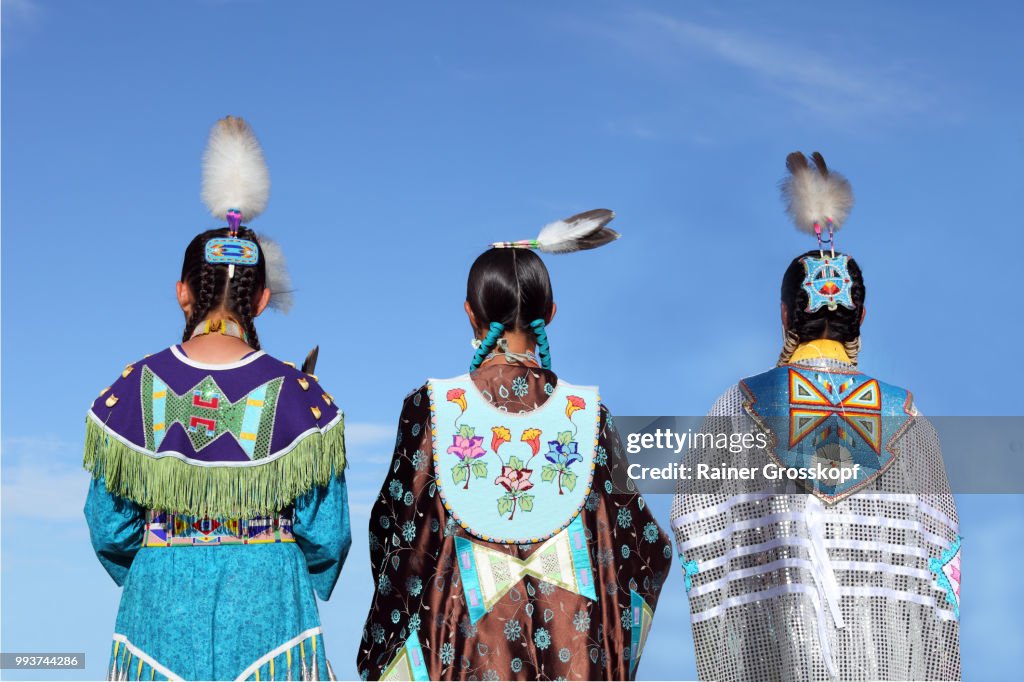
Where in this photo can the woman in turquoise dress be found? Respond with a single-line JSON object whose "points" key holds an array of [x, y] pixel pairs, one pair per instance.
{"points": [[218, 498]]}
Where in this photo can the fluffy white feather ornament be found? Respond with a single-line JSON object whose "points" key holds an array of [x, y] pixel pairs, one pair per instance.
{"points": [[235, 175], [278, 280], [816, 197], [580, 232]]}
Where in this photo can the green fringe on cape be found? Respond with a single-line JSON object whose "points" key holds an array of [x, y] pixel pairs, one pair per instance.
{"points": [[169, 484]]}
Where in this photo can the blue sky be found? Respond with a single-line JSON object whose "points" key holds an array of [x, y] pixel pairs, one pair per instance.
{"points": [[402, 139]]}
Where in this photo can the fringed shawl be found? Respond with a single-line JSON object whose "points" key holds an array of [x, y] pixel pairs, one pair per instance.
{"points": [[226, 440]]}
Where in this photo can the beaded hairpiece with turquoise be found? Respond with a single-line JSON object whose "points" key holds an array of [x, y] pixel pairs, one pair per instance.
{"points": [[819, 200], [232, 250], [581, 232], [236, 187]]}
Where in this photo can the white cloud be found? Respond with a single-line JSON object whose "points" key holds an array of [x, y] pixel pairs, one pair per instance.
{"points": [[366, 433], [22, 9], [19, 14], [810, 78], [832, 83], [43, 479]]}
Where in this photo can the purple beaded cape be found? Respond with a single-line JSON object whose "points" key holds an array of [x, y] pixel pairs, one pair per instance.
{"points": [[238, 439]]}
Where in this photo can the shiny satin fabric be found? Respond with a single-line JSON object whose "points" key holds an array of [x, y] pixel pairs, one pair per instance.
{"points": [[536, 629]]}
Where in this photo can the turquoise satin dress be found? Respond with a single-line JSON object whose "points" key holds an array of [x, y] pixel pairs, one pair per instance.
{"points": [[243, 611]]}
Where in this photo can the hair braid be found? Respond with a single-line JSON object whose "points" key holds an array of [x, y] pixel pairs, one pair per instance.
{"points": [[212, 288], [841, 324], [487, 345], [543, 349], [509, 287], [790, 342], [240, 299], [205, 297]]}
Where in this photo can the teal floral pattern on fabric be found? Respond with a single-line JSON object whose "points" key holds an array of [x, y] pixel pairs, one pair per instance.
{"points": [[253, 597], [260, 596]]}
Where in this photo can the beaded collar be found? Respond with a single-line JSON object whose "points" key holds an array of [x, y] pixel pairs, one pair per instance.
{"points": [[225, 327]]}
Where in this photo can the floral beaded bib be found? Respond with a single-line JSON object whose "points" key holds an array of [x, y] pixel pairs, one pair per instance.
{"points": [[513, 478]]}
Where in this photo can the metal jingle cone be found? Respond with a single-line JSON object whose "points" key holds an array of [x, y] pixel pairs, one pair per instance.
{"points": [[314, 672], [330, 672]]}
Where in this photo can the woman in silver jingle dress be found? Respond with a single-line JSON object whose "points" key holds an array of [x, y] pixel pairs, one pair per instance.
{"points": [[854, 575]]}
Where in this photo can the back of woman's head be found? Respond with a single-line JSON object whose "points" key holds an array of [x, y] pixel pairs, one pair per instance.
{"points": [[510, 287], [212, 288], [841, 324]]}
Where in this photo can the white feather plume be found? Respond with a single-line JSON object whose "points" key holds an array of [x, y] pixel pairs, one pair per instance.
{"points": [[235, 176], [815, 194], [278, 280], [580, 232]]}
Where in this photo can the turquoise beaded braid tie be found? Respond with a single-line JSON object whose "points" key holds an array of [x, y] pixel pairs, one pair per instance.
{"points": [[543, 349], [487, 345]]}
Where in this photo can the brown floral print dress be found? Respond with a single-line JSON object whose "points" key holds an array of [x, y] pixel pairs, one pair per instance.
{"points": [[537, 631]]}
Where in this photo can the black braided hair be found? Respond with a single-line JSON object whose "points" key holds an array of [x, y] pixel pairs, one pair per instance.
{"points": [[841, 324], [509, 286], [212, 289]]}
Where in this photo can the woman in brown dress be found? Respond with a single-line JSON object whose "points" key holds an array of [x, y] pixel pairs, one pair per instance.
{"points": [[507, 541]]}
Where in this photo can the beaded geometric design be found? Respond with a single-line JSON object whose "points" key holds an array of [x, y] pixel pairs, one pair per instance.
{"points": [[488, 575], [832, 419], [231, 251], [947, 574], [408, 663], [206, 414], [164, 529], [690, 569], [643, 618], [827, 282]]}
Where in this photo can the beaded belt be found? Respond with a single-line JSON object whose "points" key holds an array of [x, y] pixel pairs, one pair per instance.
{"points": [[176, 530]]}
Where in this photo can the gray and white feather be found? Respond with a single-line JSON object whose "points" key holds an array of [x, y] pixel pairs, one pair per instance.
{"points": [[815, 194], [580, 232], [235, 175], [278, 280]]}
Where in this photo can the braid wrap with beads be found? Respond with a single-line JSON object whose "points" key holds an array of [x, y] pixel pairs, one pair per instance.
{"points": [[487, 345], [543, 349]]}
